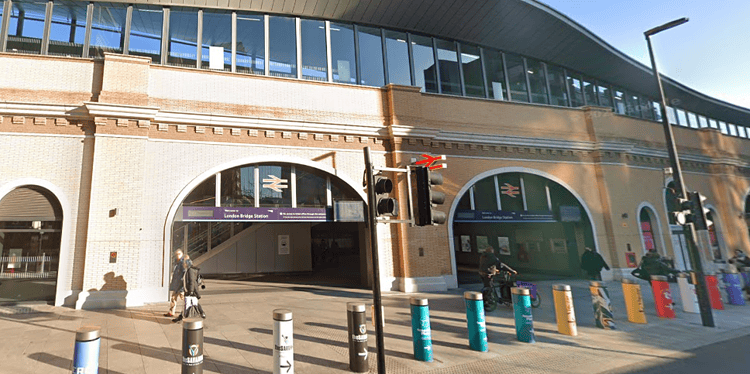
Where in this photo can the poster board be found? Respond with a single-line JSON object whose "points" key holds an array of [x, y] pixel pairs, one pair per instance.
{"points": [[558, 246], [465, 243], [283, 244], [482, 243], [503, 245]]}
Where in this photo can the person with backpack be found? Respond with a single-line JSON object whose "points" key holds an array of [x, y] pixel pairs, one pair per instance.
{"points": [[192, 282], [176, 289], [592, 263]]}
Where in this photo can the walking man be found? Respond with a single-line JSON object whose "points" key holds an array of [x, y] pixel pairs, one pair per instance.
{"points": [[592, 262], [176, 286]]}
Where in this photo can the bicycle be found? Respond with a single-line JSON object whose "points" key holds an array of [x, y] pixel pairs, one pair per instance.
{"points": [[494, 295]]}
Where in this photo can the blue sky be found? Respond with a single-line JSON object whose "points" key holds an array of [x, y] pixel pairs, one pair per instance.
{"points": [[710, 53]]}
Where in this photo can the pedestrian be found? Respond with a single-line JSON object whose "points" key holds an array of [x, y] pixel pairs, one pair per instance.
{"points": [[176, 287], [191, 282], [740, 260], [592, 263]]}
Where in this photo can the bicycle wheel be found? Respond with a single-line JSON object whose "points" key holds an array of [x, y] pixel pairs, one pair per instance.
{"points": [[537, 301], [489, 300]]}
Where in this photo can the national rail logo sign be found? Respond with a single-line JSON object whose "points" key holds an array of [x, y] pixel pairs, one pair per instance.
{"points": [[510, 190], [275, 183], [429, 162]]}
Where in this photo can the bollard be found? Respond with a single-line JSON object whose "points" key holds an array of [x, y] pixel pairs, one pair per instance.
{"points": [[283, 342], [745, 276], [687, 294], [720, 278], [420, 329], [86, 351], [734, 288], [356, 321], [712, 284], [662, 296], [475, 321], [602, 306], [192, 346], [631, 290], [564, 313], [522, 313]]}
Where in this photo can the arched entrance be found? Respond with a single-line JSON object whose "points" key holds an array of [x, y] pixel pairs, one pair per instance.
{"points": [[30, 236], [274, 218], [538, 225]]}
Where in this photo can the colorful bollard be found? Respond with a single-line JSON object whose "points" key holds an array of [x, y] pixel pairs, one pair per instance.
{"points": [[687, 294], [283, 342], [86, 350], [712, 284], [564, 312], [602, 306], [734, 288], [522, 313], [475, 321], [631, 290], [420, 329], [662, 296]]}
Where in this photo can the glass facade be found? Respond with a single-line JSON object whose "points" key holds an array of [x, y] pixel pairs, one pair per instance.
{"points": [[314, 58], [282, 38], [450, 81], [183, 40], [343, 62], [398, 58], [605, 96], [537, 83], [26, 27], [471, 64], [67, 28], [371, 57], [516, 78], [589, 91], [216, 40], [493, 64], [619, 101], [556, 79], [251, 44], [145, 32], [681, 118], [107, 29], [576, 91], [423, 59]]}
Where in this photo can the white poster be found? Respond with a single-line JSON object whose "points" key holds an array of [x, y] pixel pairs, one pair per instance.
{"points": [[216, 58], [503, 245], [283, 244], [465, 243]]}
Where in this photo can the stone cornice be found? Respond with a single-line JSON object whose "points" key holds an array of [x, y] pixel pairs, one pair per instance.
{"points": [[120, 111]]}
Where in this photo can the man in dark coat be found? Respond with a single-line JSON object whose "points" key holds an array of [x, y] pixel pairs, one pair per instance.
{"points": [[592, 263], [176, 287]]}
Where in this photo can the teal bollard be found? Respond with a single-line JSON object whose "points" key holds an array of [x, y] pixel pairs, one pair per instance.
{"points": [[522, 312], [420, 329], [475, 321]]}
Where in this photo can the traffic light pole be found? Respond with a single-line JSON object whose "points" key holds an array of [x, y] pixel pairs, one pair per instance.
{"points": [[377, 302], [689, 229]]}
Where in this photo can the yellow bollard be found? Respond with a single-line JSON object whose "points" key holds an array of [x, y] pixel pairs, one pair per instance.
{"points": [[633, 301], [566, 316]]}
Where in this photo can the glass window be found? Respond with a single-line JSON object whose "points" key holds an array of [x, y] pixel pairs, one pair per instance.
{"points": [[732, 129], [635, 105], [251, 44], [424, 63], [681, 117], [270, 197], [471, 63], [671, 116], [647, 108], [342, 54], [145, 32], [493, 64], [741, 131], [371, 57], [450, 82], [107, 29], [693, 120], [517, 78], [314, 57], [312, 188], [485, 195], [68, 28], [647, 231], [723, 127], [535, 190], [398, 58], [703, 122], [26, 27], [712, 123], [203, 195], [619, 97], [183, 37], [589, 91], [605, 96], [657, 110], [217, 32], [537, 83], [576, 91], [556, 78], [283, 47], [238, 187]]}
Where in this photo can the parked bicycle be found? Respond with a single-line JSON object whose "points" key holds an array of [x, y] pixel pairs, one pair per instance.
{"points": [[499, 288]]}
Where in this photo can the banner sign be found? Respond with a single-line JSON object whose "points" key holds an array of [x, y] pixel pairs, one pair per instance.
{"points": [[504, 216], [208, 213], [570, 213]]}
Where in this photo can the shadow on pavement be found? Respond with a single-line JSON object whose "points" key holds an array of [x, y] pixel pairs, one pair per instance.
{"points": [[61, 362]]}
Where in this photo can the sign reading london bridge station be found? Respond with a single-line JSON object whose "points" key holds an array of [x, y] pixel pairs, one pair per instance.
{"points": [[342, 211]]}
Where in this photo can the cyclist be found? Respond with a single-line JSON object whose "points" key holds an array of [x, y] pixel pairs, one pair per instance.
{"points": [[489, 266]]}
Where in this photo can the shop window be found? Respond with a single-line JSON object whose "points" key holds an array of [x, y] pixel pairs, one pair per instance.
{"points": [[343, 61], [217, 33], [537, 82], [471, 64], [495, 71], [107, 29], [26, 27], [556, 79], [145, 32], [424, 63], [183, 37], [67, 28], [314, 57], [517, 78], [282, 47], [371, 57], [450, 82], [251, 44], [398, 58]]}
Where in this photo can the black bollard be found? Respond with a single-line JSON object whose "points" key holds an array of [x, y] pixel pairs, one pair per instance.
{"points": [[356, 320], [192, 346]]}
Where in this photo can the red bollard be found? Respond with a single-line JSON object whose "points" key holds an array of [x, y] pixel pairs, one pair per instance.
{"points": [[712, 283], [662, 296]]}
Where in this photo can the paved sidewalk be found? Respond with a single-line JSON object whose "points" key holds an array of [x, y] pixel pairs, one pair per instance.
{"points": [[238, 334]]}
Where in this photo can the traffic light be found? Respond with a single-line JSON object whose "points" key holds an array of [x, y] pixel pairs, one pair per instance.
{"points": [[427, 198], [684, 212], [701, 212], [384, 205]]}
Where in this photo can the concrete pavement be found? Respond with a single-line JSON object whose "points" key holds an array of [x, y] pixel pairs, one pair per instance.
{"points": [[238, 334]]}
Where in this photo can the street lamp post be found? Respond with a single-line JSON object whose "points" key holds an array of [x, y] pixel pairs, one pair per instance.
{"points": [[689, 228]]}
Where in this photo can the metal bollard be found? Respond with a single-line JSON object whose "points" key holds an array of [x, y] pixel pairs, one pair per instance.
{"points": [[475, 321], [86, 351], [602, 306], [633, 301], [662, 296], [720, 278], [734, 288], [522, 312], [420, 329], [356, 321], [192, 346], [687, 293], [283, 342], [712, 284], [564, 312]]}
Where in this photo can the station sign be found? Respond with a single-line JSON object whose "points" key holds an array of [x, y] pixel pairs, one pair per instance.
{"points": [[249, 214], [504, 216]]}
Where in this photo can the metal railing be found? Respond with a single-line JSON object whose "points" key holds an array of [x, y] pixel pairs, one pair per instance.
{"points": [[27, 267]]}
